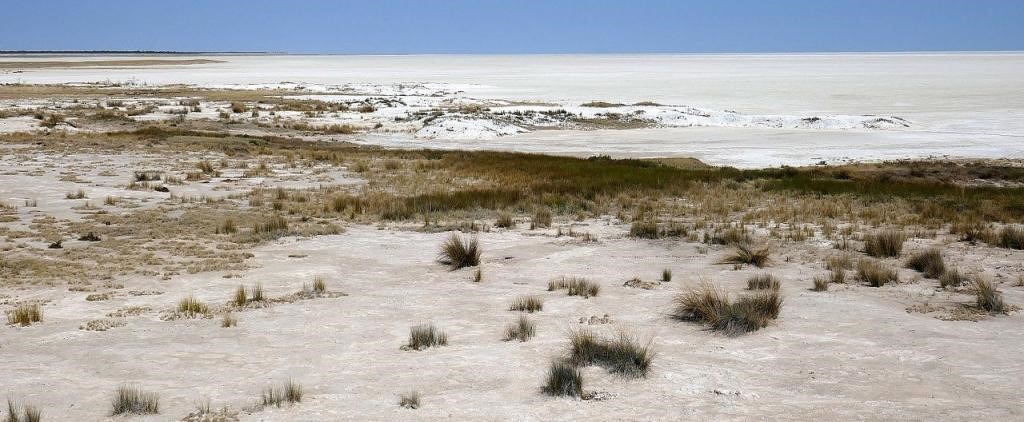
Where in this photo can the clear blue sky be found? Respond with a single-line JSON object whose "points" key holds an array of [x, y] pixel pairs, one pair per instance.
{"points": [[525, 26]]}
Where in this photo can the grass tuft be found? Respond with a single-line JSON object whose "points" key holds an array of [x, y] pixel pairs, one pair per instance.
{"points": [[564, 379], [952, 278], [241, 297], [505, 221], [527, 303], [25, 314], [131, 400], [410, 400], [711, 306], [28, 413], [541, 219], [576, 286], [875, 273], [424, 336], [820, 284], [763, 281], [457, 252], [928, 262], [622, 355], [522, 330], [290, 392], [191, 306], [885, 244], [747, 254], [666, 274], [1011, 237], [988, 296]]}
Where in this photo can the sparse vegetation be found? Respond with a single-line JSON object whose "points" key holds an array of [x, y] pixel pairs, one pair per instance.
{"points": [[521, 330], [505, 221], [575, 286], [711, 306], [410, 400], [747, 254], [876, 273], [131, 400], [666, 275], [27, 413], [563, 379], [191, 307], [527, 304], [290, 392], [25, 314], [459, 253], [1011, 237], [541, 219], [952, 278], [763, 281], [820, 284], [884, 244], [988, 297], [928, 262], [229, 320], [425, 336], [79, 194], [623, 354]]}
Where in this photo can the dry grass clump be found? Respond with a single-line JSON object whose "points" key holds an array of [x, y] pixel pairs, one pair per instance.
{"points": [[541, 219], [191, 307], [238, 107], [28, 413], [666, 274], [79, 194], [291, 392], [228, 226], [241, 296], [229, 320], [457, 252], [410, 400], [644, 229], [763, 281], [820, 284], [319, 285], [527, 303], [505, 221], [839, 262], [424, 336], [576, 286], [564, 379], [711, 306], [131, 400], [885, 244], [1011, 237], [928, 262], [988, 296], [953, 278], [875, 273], [747, 254], [273, 224], [25, 314], [521, 330], [622, 355]]}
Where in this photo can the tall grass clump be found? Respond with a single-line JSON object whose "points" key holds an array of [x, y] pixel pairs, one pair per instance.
{"points": [[191, 306], [748, 254], [1011, 237], [424, 336], [527, 304], [884, 244], [290, 392], [131, 400], [666, 274], [521, 330], [541, 219], [953, 278], [505, 221], [25, 314], [410, 400], [820, 284], [564, 379], [256, 293], [644, 229], [875, 273], [273, 224], [623, 354], [241, 297], [711, 306], [988, 296], [763, 281], [457, 252], [27, 413], [928, 262], [575, 286]]}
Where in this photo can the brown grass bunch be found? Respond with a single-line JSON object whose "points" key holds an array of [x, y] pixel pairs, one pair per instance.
{"points": [[711, 306], [763, 281], [25, 314], [131, 400], [928, 262], [875, 273], [424, 336], [564, 379], [527, 303], [884, 244], [748, 254], [521, 330], [457, 252], [988, 296], [575, 286], [623, 354]]}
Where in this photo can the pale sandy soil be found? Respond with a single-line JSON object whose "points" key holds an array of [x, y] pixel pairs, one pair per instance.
{"points": [[852, 353]]}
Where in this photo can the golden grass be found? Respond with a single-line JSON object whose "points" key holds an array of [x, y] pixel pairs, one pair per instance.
{"points": [[25, 314]]}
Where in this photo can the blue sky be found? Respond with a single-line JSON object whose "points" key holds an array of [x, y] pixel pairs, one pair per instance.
{"points": [[525, 26]]}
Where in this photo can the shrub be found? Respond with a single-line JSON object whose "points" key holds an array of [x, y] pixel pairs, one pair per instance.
{"points": [[522, 330], [541, 218], [191, 307], [622, 355], [424, 336], [410, 400], [228, 227], [763, 281], [838, 275], [711, 306], [666, 274], [460, 253], [1011, 237], [988, 296], [952, 278], [505, 221], [928, 262], [746, 254], [875, 273], [564, 379], [885, 244], [25, 314], [527, 303], [132, 400], [576, 286]]}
